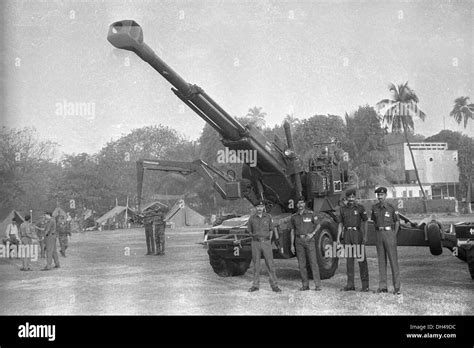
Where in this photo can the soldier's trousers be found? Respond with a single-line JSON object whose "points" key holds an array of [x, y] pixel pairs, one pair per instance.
{"points": [[51, 252], [353, 240], [42, 246], [306, 251], [150, 242], [25, 260], [63, 242], [386, 243], [265, 248], [160, 239]]}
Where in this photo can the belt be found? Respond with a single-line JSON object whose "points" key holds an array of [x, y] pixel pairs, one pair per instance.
{"points": [[306, 236], [352, 228], [260, 239], [386, 228]]}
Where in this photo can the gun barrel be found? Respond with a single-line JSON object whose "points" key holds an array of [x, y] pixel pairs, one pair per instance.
{"points": [[128, 35]]}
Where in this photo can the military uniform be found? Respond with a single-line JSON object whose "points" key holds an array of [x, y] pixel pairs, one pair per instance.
{"points": [[260, 228], [63, 232], [50, 239], [150, 241], [304, 225], [26, 237], [351, 218], [385, 217], [159, 226]]}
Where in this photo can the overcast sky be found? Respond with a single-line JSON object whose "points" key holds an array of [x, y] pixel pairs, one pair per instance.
{"points": [[300, 57]]}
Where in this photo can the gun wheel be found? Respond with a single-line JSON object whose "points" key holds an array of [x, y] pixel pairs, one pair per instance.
{"points": [[434, 239], [327, 265], [228, 267]]}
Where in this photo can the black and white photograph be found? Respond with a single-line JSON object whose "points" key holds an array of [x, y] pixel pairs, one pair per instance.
{"points": [[237, 158]]}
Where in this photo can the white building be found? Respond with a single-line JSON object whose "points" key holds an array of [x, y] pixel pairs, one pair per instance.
{"points": [[408, 191]]}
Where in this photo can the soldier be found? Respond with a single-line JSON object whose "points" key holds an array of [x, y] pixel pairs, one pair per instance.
{"points": [[260, 226], [387, 223], [64, 230], [150, 242], [304, 225], [50, 239], [159, 226], [26, 236], [353, 226]]}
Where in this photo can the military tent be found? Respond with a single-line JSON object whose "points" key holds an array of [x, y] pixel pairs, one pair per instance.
{"points": [[116, 217], [6, 218], [153, 206], [182, 215]]}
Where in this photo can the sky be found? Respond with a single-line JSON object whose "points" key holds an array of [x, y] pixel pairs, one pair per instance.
{"points": [[288, 57]]}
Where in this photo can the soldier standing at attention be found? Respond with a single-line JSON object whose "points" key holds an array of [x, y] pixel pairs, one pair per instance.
{"points": [[50, 239], [260, 226], [150, 242], [353, 225], [304, 225], [387, 223], [159, 226]]}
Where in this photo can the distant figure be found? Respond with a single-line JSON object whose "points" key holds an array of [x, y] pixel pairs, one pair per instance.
{"points": [[27, 234], [159, 226], [40, 236], [64, 230], [50, 236], [150, 242], [11, 235]]}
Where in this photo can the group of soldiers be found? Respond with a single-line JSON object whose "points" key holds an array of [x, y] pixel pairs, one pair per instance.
{"points": [[352, 231], [50, 230], [155, 225]]}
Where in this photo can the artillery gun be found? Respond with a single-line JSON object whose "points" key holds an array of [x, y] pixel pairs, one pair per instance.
{"points": [[278, 177]]}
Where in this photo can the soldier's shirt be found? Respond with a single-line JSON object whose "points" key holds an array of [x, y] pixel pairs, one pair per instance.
{"points": [[50, 227], [303, 223], [384, 215], [260, 226], [353, 215], [26, 230]]}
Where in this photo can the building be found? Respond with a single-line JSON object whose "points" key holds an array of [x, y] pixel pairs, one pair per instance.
{"points": [[408, 191], [437, 166]]}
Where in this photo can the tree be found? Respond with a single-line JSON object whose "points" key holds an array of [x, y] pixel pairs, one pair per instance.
{"points": [[367, 149], [462, 110], [256, 117], [398, 112]]}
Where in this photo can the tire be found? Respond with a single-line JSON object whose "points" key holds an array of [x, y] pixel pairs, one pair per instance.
{"points": [[462, 254], [325, 236], [228, 267], [471, 269], [434, 239]]}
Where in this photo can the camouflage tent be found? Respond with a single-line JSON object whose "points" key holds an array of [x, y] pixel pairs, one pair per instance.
{"points": [[59, 212]]}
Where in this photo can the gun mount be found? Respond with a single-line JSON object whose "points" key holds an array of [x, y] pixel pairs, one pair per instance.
{"points": [[279, 176]]}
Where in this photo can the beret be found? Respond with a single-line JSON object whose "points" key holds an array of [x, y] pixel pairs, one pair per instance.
{"points": [[350, 192], [260, 202], [381, 189]]}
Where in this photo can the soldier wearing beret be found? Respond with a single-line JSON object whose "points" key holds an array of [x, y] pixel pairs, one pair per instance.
{"points": [[260, 226], [386, 222], [304, 226], [353, 225]]}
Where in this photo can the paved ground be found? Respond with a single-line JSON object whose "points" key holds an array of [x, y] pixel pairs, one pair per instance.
{"points": [[98, 277]]}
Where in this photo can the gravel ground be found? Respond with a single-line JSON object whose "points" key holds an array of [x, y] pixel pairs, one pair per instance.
{"points": [[107, 273]]}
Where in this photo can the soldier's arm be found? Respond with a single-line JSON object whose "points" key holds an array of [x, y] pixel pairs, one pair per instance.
{"points": [[340, 227], [396, 218], [364, 217], [272, 228], [249, 226], [292, 240]]}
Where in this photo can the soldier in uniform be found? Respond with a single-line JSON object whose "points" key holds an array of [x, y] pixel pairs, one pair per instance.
{"points": [[26, 236], [159, 226], [63, 231], [353, 226], [50, 239], [304, 227], [150, 242], [387, 223], [260, 226]]}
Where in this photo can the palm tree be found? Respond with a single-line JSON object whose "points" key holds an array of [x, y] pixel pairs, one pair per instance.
{"points": [[257, 116], [398, 111], [462, 110]]}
